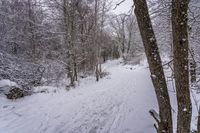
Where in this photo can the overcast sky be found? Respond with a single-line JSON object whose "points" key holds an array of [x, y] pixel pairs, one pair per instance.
{"points": [[124, 7]]}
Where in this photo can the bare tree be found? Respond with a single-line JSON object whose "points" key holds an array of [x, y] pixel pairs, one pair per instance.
{"points": [[155, 65], [181, 70]]}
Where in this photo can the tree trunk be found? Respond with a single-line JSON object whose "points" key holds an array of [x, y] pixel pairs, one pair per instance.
{"points": [[181, 71], [155, 65], [96, 43], [69, 27], [31, 29], [192, 68]]}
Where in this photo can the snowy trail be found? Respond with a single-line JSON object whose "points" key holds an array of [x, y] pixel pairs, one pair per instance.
{"points": [[119, 103]]}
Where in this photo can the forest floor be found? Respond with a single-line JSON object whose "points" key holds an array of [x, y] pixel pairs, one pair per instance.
{"points": [[118, 103]]}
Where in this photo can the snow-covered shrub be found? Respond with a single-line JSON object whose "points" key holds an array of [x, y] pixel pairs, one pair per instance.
{"points": [[54, 73], [19, 70], [5, 85], [12, 90]]}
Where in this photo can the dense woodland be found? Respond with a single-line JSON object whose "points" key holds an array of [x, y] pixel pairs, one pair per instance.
{"points": [[53, 38], [51, 42]]}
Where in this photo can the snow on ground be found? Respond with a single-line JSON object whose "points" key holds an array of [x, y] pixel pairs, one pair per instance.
{"points": [[119, 103], [5, 84]]}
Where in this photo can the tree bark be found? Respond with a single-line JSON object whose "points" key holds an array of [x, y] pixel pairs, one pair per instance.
{"points": [[69, 27], [31, 29], [181, 71], [96, 44], [192, 68], [155, 65]]}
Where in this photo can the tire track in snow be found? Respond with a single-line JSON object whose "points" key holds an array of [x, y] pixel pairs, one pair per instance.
{"points": [[112, 105]]}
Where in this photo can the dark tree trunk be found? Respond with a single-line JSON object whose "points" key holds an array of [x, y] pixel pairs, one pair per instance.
{"points": [[192, 68], [181, 71], [192, 71], [155, 65]]}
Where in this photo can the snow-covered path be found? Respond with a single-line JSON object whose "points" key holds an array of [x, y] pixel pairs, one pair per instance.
{"points": [[119, 103]]}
